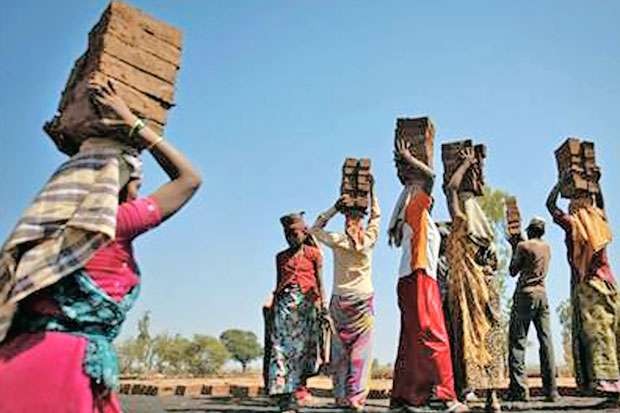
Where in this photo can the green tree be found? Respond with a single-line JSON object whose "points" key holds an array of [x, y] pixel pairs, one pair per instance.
{"points": [[242, 345], [205, 355], [136, 355], [130, 356], [170, 352], [565, 313]]}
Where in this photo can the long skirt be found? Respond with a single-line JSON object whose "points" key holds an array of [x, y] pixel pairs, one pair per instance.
{"points": [[295, 340], [423, 368], [469, 373], [43, 373], [596, 332], [354, 319]]}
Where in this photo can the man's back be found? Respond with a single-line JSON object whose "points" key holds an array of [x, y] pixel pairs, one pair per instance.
{"points": [[531, 260]]}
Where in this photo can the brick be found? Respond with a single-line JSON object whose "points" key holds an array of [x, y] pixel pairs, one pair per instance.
{"points": [[166, 390], [356, 183], [379, 394], [473, 181], [113, 45], [420, 134], [577, 158], [137, 388], [244, 391], [136, 18], [139, 80], [152, 390], [219, 390], [513, 217], [140, 54], [139, 39]]}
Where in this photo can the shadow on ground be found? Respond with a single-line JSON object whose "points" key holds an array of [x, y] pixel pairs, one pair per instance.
{"points": [[150, 404]]}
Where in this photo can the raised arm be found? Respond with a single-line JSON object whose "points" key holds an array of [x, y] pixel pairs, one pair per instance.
{"points": [[452, 187], [184, 177], [324, 217], [403, 152], [372, 229], [552, 200], [331, 239]]}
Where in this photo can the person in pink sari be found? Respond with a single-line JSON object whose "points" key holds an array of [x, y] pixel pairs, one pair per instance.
{"points": [[57, 355]]}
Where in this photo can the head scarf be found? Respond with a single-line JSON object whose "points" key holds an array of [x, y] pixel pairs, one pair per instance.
{"points": [[70, 219], [479, 228]]}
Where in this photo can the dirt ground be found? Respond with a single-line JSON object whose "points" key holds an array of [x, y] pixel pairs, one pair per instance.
{"points": [[195, 403], [146, 404], [320, 382]]}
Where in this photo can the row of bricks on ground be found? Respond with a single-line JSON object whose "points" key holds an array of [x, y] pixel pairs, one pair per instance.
{"points": [[224, 390]]}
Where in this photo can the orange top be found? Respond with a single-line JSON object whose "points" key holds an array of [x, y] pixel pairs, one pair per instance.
{"points": [[417, 218]]}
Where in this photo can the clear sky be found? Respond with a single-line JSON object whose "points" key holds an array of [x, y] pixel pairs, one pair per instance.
{"points": [[273, 95]]}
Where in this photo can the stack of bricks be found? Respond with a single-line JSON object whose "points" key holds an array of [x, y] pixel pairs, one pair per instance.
{"points": [[576, 158], [418, 134], [139, 54], [356, 183], [513, 217], [473, 181]]}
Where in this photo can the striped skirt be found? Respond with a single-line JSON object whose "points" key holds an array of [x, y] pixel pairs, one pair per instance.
{"points": [[354, 319]]}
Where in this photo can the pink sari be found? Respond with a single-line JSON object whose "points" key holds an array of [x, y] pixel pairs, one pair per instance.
{"points": [[43, 372]]}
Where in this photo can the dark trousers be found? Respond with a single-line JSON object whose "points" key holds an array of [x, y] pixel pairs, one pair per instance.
{"points": [[528, 307]]}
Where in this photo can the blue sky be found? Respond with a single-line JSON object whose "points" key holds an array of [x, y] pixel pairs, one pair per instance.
{"points": [[273, 95]]}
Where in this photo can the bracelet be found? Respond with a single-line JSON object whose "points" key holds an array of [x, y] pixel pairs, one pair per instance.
{"points": [[137, 127], [152, 145]]}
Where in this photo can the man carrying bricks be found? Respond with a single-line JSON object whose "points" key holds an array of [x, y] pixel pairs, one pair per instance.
{"points": [[530, 259]]}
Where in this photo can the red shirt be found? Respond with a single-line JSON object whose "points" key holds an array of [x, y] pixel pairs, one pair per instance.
{"points": [[113, 267], [299, 269]]}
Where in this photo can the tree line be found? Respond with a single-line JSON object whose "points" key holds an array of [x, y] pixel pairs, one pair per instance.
{"points": [[174, 354]]}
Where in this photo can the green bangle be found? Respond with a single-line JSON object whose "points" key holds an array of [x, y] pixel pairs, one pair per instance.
{"points": [[137, 127]]}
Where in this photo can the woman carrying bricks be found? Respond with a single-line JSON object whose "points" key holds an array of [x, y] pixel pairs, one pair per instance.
{"points": [[351, 306], [595, 298], [67, 272], [423, 368], [298, 317], [472, 299]]}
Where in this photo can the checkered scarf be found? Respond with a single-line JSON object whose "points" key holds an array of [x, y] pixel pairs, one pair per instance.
{"points": [[72, 217]]}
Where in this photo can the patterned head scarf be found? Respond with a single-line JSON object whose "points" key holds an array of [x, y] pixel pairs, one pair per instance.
{"points": [[70, 219]]}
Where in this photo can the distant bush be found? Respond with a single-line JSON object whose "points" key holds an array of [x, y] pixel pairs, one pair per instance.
{"points": [[378, 371]]}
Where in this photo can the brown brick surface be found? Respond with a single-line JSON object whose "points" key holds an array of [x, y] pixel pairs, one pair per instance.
{"points": [[219, 390], [513, 217], [577, 159], [451, 161], [356, 183], [419, 133], [140, 54]]}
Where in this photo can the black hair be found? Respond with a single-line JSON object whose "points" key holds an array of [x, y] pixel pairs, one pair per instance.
{"points": [[535, 232]]}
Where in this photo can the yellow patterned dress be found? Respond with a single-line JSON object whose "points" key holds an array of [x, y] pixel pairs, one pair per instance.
{"points": [[473, 302]]}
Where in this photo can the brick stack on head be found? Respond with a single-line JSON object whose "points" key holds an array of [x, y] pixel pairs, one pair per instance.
{"points": [[576, 158], [139, 54], [356, 183], [473, 181], [418, 134]]}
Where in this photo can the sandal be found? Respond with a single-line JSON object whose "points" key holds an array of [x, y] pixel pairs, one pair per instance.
{"points": [[456, 407]]}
